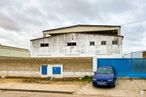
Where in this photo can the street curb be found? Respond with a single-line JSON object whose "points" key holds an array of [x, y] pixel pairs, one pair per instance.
{"points": [[42, 91]]}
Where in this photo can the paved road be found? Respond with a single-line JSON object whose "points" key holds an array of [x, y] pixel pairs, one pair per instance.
{"points": [[35, 94]]}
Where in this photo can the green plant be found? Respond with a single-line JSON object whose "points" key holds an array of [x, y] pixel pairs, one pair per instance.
{"points": [[87, 78]]}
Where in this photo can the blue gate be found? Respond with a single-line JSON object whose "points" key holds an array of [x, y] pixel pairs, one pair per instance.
{"points": [[138, 68], [126, 67], [44, 70]]}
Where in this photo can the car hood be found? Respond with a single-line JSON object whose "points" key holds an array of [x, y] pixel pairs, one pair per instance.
{"points": [[103, 76]]}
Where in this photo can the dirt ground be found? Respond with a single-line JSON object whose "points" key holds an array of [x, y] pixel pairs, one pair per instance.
{"points": [[124, 88], [39, 84], [36, 94]]}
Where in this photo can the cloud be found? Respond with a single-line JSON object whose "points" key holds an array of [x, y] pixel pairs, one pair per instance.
{"points": [[22, 20]]}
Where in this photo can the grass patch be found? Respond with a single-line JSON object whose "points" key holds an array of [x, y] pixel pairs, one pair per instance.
{"points": [[87, 78]]}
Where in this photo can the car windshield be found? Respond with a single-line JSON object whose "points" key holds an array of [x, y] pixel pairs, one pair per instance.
{"points": [[103, 70]]}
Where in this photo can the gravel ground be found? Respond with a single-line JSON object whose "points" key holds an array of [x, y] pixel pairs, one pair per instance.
{"points": [[34, 94], [124, 88], [63, 86]]}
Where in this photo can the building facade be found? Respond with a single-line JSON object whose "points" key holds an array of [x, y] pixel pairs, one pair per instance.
{"points": [[79, 40], [138, 54], [9, 51]]}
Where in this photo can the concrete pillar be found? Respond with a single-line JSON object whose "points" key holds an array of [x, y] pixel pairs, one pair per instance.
{"points": [[94, 63]]}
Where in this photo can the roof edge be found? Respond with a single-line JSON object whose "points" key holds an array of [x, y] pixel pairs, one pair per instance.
{"points": [[81, 25], [12, 47]]}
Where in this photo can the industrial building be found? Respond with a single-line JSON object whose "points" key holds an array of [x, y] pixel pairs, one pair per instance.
{"points": [[9, 51], [137, 54], [66, 52], [102, 41]]}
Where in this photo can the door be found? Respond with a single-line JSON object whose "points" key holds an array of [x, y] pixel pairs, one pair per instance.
{"points": [[44, 70]]}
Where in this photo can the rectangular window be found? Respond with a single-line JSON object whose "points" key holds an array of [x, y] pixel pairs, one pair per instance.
{"points": [[92, 43], [71, 44], [44, 45], [103, 42], [115, 42], [56, 70]]}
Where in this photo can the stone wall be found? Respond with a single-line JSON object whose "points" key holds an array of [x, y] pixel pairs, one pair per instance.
{"points": [[30, 67]]}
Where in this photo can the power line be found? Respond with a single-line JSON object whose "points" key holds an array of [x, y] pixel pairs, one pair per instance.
{"points": [[134, 22]]}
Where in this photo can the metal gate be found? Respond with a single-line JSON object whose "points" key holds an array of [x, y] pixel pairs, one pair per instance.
{"points": [[126, 67], [138, 68]]}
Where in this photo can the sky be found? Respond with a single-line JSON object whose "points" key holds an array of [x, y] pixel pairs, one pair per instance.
{"points": [[23, 20]]}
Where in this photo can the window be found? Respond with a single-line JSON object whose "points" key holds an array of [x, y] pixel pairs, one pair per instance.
{"points": [[103, 42], [92, 43], [44, 45], [115, 42], [57, 69], [71, 44]]}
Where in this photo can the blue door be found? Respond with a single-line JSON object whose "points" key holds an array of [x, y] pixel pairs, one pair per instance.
{"points": [[56, 70], [44, 70]]}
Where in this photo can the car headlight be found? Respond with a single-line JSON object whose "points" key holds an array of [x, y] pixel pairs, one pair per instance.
{"points": [[110, 80]]}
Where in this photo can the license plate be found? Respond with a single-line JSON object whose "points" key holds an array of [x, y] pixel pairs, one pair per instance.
{"points": [[101, 83]]}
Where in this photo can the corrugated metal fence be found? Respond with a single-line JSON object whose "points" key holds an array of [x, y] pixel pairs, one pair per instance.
{"points": [[126, 67]]}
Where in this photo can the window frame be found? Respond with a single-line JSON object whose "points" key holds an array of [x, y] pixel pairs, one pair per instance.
{"points": [[114, 42], [103, 42], [44, 44], [92, 43], [71, 44]]}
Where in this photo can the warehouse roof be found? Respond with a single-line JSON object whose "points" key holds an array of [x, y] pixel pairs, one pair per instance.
{"points": [[81, 28], [12, 48]]}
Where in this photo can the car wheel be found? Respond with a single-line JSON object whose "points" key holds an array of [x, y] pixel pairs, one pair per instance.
{"points": [[113, 85], [93, 85]]}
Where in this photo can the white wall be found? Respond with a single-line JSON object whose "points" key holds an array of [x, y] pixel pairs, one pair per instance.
{"points": [[138, 54], [58, 45]]}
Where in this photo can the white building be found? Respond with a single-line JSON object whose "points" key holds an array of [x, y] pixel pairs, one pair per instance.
{"points": [[137, 54], [9, 51], [79, 40]]}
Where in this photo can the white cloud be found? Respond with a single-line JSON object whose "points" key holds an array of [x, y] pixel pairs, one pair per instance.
{"points": [[22, 20]]}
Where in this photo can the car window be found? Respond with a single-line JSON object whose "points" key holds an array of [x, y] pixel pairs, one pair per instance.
{"points": [[104, 70]]}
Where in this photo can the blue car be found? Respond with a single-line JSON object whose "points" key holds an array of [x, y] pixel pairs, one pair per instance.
{"points": [[104, 76]]}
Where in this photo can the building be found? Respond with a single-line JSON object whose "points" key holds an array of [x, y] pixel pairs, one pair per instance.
{"points": [[80, 40], [9, 51], [138, 54]]}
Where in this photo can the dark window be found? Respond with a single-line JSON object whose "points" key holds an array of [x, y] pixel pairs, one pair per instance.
{"points": [[103, 42], [115, 42], [44, 45], [92, 43], [71, 44]]}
